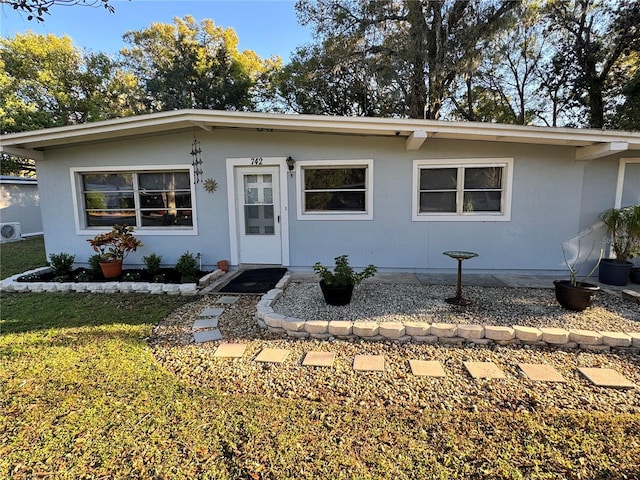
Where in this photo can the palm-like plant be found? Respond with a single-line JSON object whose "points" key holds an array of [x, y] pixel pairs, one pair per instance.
{"points": [[623, 224]]}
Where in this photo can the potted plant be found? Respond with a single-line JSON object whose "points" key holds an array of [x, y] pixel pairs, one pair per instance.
{"points": [[573, 294], [337, 285], [623, 227], [113, 247]]}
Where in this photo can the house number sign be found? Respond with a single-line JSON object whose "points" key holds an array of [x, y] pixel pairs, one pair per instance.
{"points": [[256, 160]]}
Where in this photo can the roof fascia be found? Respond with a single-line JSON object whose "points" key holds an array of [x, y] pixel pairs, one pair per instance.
{"points": [[411, 129]]}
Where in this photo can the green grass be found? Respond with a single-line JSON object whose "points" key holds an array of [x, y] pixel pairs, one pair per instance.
{"points": [[18, 257], [81, 396]]}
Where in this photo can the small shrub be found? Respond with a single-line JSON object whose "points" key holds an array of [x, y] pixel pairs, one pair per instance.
{"points": [[94, 263], [343, 274], [187, 267], [61, 264], [153, 263]]}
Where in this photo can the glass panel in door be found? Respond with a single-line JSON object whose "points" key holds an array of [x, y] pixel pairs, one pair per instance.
{"points": [[259, 218]]}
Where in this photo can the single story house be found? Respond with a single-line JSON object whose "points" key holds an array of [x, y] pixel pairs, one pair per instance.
{"points": [[19, 208], [291, 190]]}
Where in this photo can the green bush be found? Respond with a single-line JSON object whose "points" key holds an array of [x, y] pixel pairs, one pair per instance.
{"points": [[94, 264], [153, 263], [61, 264], [187, 267]]}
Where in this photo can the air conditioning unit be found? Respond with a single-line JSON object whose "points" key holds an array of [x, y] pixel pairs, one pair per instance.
{"points": [[10, 232]]}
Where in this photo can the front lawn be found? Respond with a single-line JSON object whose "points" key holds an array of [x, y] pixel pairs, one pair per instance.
{"points": [[81, 396]]}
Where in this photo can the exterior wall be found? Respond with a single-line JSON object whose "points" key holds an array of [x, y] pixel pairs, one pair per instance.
{"points": [[554, 197], [20, 202]]}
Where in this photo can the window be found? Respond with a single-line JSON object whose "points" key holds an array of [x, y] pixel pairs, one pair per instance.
{"points": [[153, 199], [337, 190], [464, 190]]}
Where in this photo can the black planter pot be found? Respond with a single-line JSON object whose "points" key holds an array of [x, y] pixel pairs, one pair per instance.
{"points": [[614, 273], [575, 298], [336, 295], [635, 275]]}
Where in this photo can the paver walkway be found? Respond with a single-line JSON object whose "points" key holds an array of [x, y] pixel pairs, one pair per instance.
{"points": [[205, 329]]}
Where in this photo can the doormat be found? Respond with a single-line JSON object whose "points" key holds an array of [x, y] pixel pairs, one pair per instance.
{"points": [[257, 280]]}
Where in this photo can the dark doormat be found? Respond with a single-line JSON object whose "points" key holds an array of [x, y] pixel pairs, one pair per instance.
{"points": [[258, 280]]}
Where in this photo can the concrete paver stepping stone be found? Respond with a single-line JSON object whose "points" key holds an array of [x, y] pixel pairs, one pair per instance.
{"points": [[205, 323], [272, 355], [539, 372], [606, 377], [319, 359], [201, 336], [484, 370], [230, 350], [227, 300], [368, 363], [427, 368], [211, 312]]}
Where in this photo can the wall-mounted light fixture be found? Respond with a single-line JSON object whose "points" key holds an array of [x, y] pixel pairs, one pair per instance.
{"points": [[291, 165]]}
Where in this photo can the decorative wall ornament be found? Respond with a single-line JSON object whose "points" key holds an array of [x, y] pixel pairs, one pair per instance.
{"points": [[210, 185], [196, 155]]}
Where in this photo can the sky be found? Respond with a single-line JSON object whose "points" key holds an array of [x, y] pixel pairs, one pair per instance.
{"points": [[269, 27]]}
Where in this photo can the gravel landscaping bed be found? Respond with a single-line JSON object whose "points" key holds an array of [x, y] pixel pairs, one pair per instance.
{"points": [[172, 342], [492, 306]]}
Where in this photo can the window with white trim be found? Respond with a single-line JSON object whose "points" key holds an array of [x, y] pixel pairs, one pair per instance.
{"points": [[465, 190], [336, 190], [154, 199]]}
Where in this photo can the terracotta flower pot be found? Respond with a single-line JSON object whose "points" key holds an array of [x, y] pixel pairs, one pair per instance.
{"points": [[223, 265], [111, 269]]}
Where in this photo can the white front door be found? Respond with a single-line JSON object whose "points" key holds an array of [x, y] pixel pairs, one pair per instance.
{"points": [[258, 215]]}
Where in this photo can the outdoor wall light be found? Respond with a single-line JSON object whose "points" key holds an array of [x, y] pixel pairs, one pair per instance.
{"points": [[291, 164]]}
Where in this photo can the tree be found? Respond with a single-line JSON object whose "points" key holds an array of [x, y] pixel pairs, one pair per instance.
{"points": [[45, 81], [502, 82], [600, 35], [627, 114], [192, 65], [414, 49], [37, 8]]}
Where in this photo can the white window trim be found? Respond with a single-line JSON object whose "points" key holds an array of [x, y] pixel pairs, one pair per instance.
{"points": [[504, 216], [622, 166], [366, 215], [78, 200]]}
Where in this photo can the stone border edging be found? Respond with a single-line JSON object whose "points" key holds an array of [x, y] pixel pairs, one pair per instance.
{"points": [[445, 333], [11, 284]]}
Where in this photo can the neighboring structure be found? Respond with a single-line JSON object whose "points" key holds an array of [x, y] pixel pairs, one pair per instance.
{"points": [[19, 208], [295, 189]]}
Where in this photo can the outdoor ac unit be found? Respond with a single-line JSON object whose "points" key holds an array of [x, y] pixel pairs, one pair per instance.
{"points": [[10, 232]]}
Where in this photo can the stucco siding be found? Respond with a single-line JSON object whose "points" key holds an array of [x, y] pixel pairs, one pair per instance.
{"points": [[20, 202], [553, 198]]}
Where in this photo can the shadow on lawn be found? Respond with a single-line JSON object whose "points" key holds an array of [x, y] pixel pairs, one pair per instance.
{"points": [[25, 312]]}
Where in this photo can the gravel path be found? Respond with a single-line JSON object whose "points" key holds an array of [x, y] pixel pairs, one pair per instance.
{"points": [[172, 342]]}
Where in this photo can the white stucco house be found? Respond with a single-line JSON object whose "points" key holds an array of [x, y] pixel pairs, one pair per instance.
{"points": [[19, 208], [291, 190]]}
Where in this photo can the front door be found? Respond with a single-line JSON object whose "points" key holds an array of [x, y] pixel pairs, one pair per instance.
{"points": [[258, 215]]}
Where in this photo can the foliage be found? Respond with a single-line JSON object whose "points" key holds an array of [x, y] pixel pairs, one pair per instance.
{"points": [[152, 263], [343, 274], [623, 224], [37, 8], [94, 263], [187, 266], [116, 244], [402, 56], [596, 38], [192, 65], [19, 257], [61, 264], [16, 166]]}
